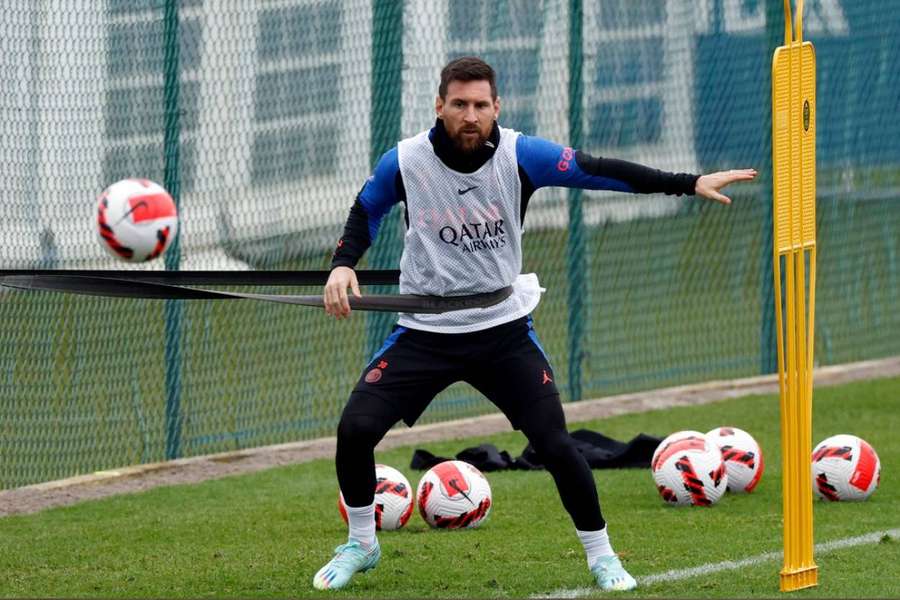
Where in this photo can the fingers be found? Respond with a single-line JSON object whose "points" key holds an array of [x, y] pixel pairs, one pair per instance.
{"points": [[348, 279], [343, 302], [331, 299], [334, 297], [742, 174], [723, 178], [708, 186], [336, 302], [710, 191]]}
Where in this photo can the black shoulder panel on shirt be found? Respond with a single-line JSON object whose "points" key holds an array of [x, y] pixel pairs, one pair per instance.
{"points": [[401, 196], [528, 190], [355, 240]]}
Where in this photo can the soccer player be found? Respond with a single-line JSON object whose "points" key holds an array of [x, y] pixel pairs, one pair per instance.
{"points": [[465, 184]]}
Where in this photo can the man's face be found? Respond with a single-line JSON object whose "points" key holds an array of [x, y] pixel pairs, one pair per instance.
{"points": [[468, 113]]}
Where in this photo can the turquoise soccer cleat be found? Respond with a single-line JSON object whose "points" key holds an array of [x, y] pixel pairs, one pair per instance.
{"points": [[611, 575], [349, 558]]}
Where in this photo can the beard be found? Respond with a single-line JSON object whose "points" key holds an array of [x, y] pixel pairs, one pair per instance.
{"points": [[468, 144]]}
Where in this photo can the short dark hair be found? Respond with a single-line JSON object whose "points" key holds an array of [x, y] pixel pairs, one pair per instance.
{"points": [[467, 68]]}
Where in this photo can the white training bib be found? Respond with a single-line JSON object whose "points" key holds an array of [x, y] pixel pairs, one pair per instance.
{"points": [[464, 236]]}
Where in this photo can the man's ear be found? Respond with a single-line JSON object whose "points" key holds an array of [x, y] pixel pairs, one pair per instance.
{"points": [[439, 107], [496, 108]]}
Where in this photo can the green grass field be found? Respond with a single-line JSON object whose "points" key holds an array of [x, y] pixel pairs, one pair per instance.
{"points": [[265, 534]]}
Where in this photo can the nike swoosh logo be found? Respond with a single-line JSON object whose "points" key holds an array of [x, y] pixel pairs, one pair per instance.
{"points": [[461, 192], [456, 487], [134, 208]]}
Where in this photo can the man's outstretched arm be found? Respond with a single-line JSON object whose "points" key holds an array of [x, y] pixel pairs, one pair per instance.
{"points": [[546, 163]]}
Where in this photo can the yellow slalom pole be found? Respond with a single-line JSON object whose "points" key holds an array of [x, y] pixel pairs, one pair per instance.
{"points": [[794, 206]]}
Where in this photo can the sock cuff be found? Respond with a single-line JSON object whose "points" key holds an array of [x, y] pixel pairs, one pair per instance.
{"points": [[360, 510], [582, 534]]}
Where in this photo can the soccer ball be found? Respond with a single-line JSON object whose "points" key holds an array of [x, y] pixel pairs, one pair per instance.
{"points": [[688, 469], [453, 495], [742, 455], [136, 220], [393, 499], [845, 467]]}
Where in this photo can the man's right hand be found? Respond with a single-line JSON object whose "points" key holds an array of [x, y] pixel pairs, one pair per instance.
{"points": [[335, 296]]}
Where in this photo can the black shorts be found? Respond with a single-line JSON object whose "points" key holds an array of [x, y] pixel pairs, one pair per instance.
{"points": [[505, 363]]}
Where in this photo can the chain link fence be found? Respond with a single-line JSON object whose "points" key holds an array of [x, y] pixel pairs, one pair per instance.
{"points": [[265, 118]]}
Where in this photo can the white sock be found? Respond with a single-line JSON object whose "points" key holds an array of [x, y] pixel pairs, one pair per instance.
{"points": [[362, 523], [596, 544]]}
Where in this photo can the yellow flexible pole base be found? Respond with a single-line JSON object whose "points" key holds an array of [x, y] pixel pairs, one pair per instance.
{"points": [[798, 579]]}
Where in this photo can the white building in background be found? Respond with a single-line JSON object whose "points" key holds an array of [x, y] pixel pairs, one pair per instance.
{"points": [[275, 104]]}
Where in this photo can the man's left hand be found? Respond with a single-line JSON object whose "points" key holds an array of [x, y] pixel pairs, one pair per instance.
{"points": [[708, 186]]}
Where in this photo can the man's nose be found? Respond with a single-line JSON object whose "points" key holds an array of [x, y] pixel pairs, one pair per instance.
{"points": [[470, 115]]}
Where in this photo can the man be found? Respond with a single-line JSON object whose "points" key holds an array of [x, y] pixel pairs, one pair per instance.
{"points": [[466, 184]]}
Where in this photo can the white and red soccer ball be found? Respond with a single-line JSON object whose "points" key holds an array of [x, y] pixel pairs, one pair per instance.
{"points": [[136, 220], [845, 467], [454, 495], [393, 499], [688, 469], [742, 455]]}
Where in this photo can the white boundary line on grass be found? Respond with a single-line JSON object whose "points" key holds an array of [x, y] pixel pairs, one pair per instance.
{"points": [[730, 565]]}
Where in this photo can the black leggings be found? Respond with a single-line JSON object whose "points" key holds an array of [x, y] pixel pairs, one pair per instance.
{"points": [[543, 424]]}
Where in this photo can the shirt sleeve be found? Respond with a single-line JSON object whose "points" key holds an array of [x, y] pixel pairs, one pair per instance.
{"points": [[549, 164], [376, 198]]}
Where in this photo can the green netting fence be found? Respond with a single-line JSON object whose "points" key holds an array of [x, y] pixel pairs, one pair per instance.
{"points": [[265, 118]]}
